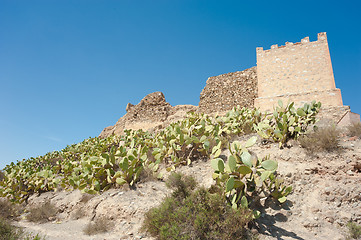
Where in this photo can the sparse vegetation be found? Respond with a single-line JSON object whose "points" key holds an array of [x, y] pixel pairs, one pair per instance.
{"points": [[354, 130], [78, 213], [195, 214], [322, 139], [85, 197], [100, 225], [8, 210], [10, 232], [42, 213], [354, 230], [96, 164]]}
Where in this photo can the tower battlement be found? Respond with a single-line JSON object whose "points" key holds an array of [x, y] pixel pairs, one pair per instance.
{"points": [[321, 37]]}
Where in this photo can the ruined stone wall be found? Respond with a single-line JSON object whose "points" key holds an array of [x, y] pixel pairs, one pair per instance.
{"points": [[226, 91], [299, 72], [152, 112]]}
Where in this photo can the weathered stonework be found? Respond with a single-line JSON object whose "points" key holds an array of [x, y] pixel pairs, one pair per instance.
{"points": [[298, 72], [226, 91], [152, 112]]}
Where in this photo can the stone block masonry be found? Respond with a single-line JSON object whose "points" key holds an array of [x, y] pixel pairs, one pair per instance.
{"points": [[299, 72]]}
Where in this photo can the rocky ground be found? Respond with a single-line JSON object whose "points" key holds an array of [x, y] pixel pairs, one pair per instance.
{"points": [[327, 194]]}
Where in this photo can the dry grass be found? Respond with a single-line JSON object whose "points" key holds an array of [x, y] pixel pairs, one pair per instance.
{"points": [[8, 231], [9, 210], [86, 197], [79, 213], [323, 139], [100, 225], [42, 213], [354, 130]]}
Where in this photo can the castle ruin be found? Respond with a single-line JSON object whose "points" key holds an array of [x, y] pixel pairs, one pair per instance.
{"points": [[298, 72]]}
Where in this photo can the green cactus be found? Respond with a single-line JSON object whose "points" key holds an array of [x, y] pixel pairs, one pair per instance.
{"points": [[244, 175], [287, 122]]}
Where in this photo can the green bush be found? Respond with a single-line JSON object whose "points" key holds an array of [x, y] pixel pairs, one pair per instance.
{"points": [[181, 185], [198, 214], [322, 139], [10, 232], [354, 230]]}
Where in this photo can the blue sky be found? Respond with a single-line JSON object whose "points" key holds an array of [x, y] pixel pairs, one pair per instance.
{"points": [[69, 68]]}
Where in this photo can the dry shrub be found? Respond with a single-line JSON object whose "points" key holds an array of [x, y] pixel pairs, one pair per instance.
{"points": [[6, 209], [322, 139], [100, 225], [147, 175], [354, 130], [79, 213], [42, 213], [195, 214], [9, 210], [86, 197]]}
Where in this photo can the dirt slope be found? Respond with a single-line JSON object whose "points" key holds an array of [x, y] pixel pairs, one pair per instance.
{"points": [[327, 194]]}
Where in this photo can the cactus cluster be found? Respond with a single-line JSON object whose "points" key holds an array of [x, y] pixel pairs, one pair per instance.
{"points": [[244, 176], [96, 164], [287, 122]]}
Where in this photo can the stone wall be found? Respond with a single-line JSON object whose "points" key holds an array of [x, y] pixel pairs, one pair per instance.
{"points": [[225, 91], [152, 112], [299, 72]]}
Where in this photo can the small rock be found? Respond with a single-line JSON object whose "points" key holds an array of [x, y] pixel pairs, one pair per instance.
{"points": [[350, 173], [328, 190]]}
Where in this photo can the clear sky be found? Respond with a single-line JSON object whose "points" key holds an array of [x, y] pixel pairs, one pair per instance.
{"points": [[69, 68]]}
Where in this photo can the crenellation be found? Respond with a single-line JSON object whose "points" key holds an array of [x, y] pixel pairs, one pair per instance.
{"points": [[321, 36], [305, 40]]}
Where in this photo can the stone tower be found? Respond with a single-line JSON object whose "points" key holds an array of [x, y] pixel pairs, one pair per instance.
{"points": [[298, 72]]}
